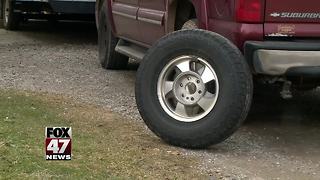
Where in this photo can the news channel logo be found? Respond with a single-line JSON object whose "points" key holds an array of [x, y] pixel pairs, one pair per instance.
{"points": [[58, 143]]}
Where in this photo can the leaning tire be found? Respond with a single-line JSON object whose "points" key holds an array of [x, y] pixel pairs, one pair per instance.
{"points": [[193, 89], [11, 20], [109, 58]]}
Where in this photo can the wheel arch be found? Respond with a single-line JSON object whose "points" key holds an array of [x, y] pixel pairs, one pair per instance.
{"points": [[190, 9]]}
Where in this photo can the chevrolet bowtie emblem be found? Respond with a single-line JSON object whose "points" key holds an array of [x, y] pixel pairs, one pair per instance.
{"points": [[275, 14]]}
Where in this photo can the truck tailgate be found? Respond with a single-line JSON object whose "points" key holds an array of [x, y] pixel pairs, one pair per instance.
{"points": [[292, 18]]}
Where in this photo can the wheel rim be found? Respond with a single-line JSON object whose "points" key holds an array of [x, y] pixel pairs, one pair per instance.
{"points": [[6, 12], [188, 88]]}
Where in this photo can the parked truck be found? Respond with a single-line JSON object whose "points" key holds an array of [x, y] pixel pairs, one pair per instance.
{"points": [[199, 58], [14, 12]]}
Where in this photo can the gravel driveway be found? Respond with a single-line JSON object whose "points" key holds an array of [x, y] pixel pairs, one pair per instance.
{"points": [[280, 140]]}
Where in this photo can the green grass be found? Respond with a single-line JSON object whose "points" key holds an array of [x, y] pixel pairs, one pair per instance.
{"points": [[22, 123], [104, 144]]}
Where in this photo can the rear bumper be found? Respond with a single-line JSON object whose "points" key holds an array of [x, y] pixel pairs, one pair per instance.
{"points": [[55, 7], [284, 58]]}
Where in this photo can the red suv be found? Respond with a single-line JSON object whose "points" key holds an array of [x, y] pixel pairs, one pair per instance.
{"points": [[199, 58]]}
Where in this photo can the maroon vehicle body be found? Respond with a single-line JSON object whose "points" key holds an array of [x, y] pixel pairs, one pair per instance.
{"points": [[253, 20]]}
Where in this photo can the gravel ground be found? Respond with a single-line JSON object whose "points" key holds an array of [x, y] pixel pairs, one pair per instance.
{"points": [[280, 140]]}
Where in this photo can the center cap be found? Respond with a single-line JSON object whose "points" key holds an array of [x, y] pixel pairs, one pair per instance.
{"points": [[191, 88], [188, 88]]}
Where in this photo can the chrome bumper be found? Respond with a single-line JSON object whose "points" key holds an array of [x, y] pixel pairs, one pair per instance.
{"points": [[284, 58]]}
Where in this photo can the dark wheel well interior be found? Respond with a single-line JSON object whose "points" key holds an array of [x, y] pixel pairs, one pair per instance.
{"points": [[185, 11]]}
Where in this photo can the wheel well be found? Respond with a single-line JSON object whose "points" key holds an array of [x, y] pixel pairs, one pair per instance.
{"points": [[185, 11]]}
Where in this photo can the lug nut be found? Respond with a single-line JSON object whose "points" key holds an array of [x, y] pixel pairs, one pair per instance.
{"points": [[192, 99], [198, 81], [189, 78], [181, 85], [199, 91]]}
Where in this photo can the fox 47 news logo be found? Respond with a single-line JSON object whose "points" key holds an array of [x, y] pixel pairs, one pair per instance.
{"points": [[58, 143]]}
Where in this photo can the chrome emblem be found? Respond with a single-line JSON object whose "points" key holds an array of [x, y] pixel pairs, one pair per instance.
{"points": [[275, 14]]}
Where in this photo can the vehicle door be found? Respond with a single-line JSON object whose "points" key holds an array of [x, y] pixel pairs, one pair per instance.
{"points": [[153, 19], [124, 14]]}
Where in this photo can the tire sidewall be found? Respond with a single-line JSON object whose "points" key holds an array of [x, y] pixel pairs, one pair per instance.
{"points": [[109, 57], [13, 18], [6, 22], [104, 35], [220, 120]]}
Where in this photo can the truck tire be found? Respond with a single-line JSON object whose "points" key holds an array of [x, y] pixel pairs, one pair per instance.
{"points": [[11, 20], [191, 24], [194, 88], [109, 58]]}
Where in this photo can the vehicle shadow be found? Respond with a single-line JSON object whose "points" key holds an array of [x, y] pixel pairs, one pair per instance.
{"points": [[73, 32], [269, 108], [274, 125]]}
